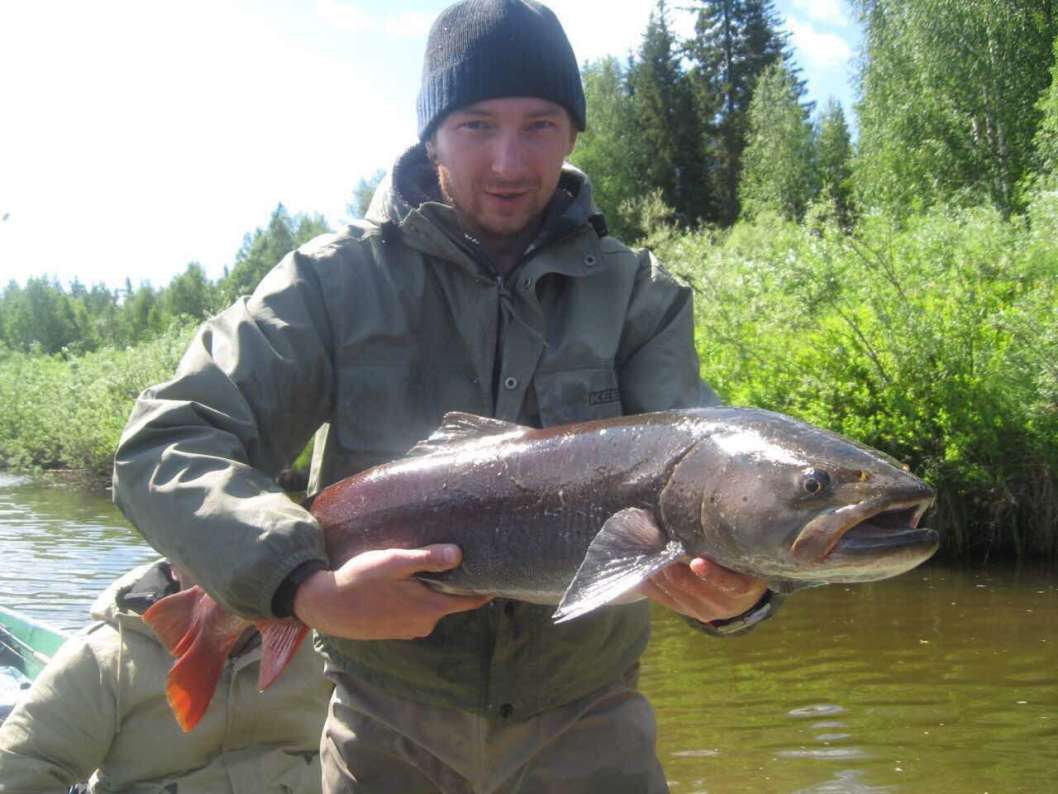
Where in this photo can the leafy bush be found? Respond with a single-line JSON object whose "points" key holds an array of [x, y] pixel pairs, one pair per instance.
{"points": [[935, 341], [69, 412]]}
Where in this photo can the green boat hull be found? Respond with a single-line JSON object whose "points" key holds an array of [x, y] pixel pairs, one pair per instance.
{"points": [[26, 645]]}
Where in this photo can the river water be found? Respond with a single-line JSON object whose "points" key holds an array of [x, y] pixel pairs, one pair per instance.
{"points": [[942, 680]]}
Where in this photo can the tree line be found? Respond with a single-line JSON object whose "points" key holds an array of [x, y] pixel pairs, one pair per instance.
{"points": [[900, 288], [956, 107], [47, 318]]}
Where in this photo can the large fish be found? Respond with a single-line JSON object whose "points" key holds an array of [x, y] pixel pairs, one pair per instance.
{"points": [[579, 515]]}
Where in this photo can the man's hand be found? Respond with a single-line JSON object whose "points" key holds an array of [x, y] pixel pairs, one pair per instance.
{"points": [[704, 590], [374, 595]]}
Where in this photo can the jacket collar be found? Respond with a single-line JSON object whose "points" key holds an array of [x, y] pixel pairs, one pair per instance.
{"points": [[409, 199]]}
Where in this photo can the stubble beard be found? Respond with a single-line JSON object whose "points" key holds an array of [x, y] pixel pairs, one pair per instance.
{"points": [[495, 241]]}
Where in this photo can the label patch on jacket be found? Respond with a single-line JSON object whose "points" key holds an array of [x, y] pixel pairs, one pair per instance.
{"points": [[605, 396]]}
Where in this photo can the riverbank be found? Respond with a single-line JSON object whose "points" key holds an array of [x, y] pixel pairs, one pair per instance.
{"points": [[935, 340]]}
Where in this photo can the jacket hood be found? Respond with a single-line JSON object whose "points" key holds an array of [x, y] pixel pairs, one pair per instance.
{"points": [[412, 183], [131, 594]]}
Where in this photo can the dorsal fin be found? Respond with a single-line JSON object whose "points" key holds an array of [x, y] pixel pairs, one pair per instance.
{"points": [[459, 428]]}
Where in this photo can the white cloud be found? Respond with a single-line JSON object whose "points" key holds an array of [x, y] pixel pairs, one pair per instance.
{"points": [[828, 11], [816, 49], [347, 15], [140, 137], [410, 24]]}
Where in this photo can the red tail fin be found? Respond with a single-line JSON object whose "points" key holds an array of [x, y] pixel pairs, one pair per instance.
{"points": [[200, 633], [170, 617], [280, 640]]}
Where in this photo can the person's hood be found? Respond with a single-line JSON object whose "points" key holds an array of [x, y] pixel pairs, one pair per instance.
{"points": [[411, 185], [131, 594]]}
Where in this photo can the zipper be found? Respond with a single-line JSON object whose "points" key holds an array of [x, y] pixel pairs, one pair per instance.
{"points": [[497, 356]]}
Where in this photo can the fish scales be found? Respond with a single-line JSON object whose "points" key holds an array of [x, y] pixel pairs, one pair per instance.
{"points": [[507, 504], [581, 515]]}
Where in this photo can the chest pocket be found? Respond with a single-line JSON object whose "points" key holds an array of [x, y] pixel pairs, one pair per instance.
{"points": [[383, 411], [577, 395]]}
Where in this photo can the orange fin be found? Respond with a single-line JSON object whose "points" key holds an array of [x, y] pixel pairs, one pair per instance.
{"points": [[280, 640], [201, 634], [171, 617]]}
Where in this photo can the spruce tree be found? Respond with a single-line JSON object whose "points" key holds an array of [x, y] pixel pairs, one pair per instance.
{"points": [[667, 120], [735, 40], [834, 160], [607, 150], [779, 173]]}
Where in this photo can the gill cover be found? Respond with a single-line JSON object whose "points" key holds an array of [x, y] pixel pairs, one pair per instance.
{"points": [[692, 503]]}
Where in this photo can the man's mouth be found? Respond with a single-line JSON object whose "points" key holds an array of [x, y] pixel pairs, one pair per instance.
{"points": [[506, 195]]}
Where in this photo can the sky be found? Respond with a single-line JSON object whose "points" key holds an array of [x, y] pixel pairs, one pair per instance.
{"points": [[137, 136]]}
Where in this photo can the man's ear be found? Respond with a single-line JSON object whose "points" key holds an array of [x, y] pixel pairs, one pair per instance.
{"points": [[431, 152], [572, 142]]}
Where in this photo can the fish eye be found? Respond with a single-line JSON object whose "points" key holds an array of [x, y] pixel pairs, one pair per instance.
{"points": [[815, 481]]}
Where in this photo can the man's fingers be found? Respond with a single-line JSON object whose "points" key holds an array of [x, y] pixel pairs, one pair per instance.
{"points": [[438, 557], [657, 595], [462, 603], [724, 579]]}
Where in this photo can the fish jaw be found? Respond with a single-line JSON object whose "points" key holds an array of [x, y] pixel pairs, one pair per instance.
{"points": [[873, 539]]}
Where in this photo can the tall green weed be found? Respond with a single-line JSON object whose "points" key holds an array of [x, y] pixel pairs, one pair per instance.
{"points": [[935, 340], [68, 412]]}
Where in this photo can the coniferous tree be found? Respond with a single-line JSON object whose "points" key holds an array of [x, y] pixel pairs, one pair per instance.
{"points": [[608, 150], [363, 193], [189, 295], [665, 117], [834, 160], [1045, 141], [262, 250], [734, 41], [779, 174]]}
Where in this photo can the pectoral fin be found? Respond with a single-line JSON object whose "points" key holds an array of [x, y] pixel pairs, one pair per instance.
{"points": [[628, 550]]}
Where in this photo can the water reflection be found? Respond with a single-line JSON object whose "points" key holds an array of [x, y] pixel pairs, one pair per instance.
{"points": [[940, 680], [60, 545]]}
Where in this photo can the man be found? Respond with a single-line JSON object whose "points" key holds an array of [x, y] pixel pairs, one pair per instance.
{"points": [[97, 714], [482, 281]]}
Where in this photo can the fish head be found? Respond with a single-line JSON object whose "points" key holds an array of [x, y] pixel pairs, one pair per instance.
{"points": [[770, 495]]}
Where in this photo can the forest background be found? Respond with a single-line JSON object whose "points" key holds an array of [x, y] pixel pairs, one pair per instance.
{"points": [[899, 286]]}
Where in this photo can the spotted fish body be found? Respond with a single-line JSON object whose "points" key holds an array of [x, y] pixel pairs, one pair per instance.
{"points": [[579, 515]]}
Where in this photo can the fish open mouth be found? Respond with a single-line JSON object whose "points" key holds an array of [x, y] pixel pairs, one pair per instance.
{"points": [[873, 527]]}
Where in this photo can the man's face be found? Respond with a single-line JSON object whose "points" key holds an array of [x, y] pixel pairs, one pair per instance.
{"points": [[499, 161]]}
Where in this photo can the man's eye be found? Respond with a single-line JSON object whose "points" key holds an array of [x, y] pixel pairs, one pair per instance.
{"points": [[475, 125]]}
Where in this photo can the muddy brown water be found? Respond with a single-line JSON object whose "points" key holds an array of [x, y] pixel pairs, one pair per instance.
{"points": [[942, 680]]}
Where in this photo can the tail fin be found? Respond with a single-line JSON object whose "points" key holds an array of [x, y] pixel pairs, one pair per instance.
{"points": [[280, 640], [170, 617], [201, 634]]}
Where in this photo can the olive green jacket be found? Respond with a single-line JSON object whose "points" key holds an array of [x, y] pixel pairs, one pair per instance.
{"points": [[371, 336], [98, 714]]}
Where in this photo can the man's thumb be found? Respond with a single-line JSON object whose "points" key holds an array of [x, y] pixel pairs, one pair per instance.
{"points": [[438, 557]]}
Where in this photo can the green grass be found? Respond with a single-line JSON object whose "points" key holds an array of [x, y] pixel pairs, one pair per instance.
{"points": [[69, 412]]}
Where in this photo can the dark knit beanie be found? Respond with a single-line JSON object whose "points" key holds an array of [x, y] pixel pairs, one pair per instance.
{"points": [[485, 49]]}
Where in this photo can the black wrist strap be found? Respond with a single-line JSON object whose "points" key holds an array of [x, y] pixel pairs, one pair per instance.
{"points": [[283, 600]]}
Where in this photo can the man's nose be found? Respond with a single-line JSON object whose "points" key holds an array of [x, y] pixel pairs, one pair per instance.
{"points": [[508, 158]]}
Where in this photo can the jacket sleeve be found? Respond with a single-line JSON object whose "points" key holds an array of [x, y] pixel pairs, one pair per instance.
{"points": [[194, 470], [658, 369], [62, 731], [657, 365]]}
